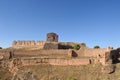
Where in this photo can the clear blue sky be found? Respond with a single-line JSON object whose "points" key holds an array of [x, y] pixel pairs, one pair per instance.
{"points": [[94, 22]]}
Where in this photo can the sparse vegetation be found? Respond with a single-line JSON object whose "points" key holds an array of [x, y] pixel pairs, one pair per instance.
{"points": [[71, 78], [76, 47], [5, 74], [96, 47], [47, 72]]}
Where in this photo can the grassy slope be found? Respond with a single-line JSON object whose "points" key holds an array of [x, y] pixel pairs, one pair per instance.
{"points": [[4, 74], [90, 72], [48, 72]]}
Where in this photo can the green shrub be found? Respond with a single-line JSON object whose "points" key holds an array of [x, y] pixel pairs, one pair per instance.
{"points": [[96, 47], [76, 47]]}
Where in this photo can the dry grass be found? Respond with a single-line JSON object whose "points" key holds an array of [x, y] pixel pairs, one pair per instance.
{"points": [[90, 72], [48, 72], [4, 74]]}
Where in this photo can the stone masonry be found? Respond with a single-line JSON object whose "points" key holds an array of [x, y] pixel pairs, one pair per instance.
{"points": [[52, 37], [56, 53]]}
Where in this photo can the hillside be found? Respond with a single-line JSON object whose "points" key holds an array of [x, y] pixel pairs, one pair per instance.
{"points": [[48, 72]]}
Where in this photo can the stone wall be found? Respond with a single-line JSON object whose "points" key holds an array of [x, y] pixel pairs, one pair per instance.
{"points": [[45, 45], [55, 61], [42, 53], [63, 57], [24, 43], [52, 45], [96, 55], [34, 45], [88, 52], [52, 37]]}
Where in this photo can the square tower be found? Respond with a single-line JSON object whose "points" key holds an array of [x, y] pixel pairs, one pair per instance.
{"points": [[52, 37]]}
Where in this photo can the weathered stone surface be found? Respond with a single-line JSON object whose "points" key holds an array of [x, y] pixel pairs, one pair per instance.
{"points": [[51, 45], [108, 59], [1, 57], [70, 53], [52, 37], [24, 75], [108, 68]]}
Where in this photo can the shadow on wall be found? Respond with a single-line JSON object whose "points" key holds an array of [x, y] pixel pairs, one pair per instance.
{"points": [[74, 54], [115, 56], [11, 55], [64, 47]]}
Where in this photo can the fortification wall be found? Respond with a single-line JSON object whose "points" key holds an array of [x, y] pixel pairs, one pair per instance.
{"points": [[55, 61], [94, 52], [102, 55], [28, 44], [56, 53], [60, 56], [69, 62], [23, 43], [45, 45], [88, 52], [35, 45]]}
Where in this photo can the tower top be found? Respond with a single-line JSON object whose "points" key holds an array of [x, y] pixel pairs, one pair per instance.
{"points": [[52, 37]]}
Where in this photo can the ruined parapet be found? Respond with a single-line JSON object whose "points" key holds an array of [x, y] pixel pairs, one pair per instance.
{"points": [[51, 45], [70, 45], [107, 62], [40, 44], [109, 48], [52, 37], [34, 45], [106, 58], [21, 44]]}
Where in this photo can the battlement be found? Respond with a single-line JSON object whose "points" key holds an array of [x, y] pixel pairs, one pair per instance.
{"points": [[35, 45], [57, 53], [50, 43], [24, 43]]}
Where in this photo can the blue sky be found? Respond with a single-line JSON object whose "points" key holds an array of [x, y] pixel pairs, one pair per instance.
{"points": [[94, 22]]}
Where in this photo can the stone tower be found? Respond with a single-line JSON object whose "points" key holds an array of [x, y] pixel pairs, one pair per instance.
{"points": [[52, 37]]}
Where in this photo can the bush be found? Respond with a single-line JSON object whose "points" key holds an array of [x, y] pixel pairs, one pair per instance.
{"points": [[77, 47], [96, 47]]}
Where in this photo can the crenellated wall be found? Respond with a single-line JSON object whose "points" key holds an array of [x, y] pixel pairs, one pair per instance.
{"points": [[23, 43], [45, 45], [34, 45]]}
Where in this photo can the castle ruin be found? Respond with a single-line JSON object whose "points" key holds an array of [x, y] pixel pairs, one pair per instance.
{"points": [[52, 37], [50, 43], [52, 52]]}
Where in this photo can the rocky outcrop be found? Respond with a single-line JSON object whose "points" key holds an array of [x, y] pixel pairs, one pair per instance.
{"points": [[108, 68], [24, 75]]}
